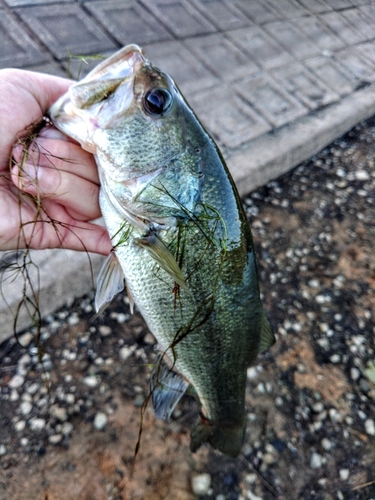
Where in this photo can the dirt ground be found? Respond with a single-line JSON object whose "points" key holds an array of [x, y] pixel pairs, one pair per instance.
{"points": [[310, 398]]}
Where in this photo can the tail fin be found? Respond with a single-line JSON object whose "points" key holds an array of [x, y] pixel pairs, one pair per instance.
{"points": [[228, 440]]}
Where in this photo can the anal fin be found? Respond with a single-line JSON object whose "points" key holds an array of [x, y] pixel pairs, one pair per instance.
{"points": [[267, 338], [167, 388]]}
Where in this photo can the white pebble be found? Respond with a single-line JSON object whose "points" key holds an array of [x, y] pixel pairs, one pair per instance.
{"points": [[125, 352], [25, 359], [252, 496], [105, 330], [33, 388], [362, 175], [24, 441], [25, 407], [26, 397], [334, 415], [37, 424], [318, 407], [355, 373], [70, 399], [100, 421], [91, 381], [73, 319], [327, 444], [16, 382], [335, 358], [201, 483], [344, 474], [55, 438], [370, 427], [20, 425], [67, 428], [269, 458], [59, 413], [121, 318], [316, 460], [26, 339], [14, 396], [251, 478], [3, 450]]}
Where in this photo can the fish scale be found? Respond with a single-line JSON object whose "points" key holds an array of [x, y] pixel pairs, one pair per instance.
{"points": [[180, 236]]}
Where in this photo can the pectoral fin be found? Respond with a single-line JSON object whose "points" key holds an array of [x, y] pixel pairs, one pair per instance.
{"points": [[110, 282], [267, 338], [163, 256], [167, 388]]}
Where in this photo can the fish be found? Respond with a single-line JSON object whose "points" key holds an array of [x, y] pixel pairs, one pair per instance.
{"points": [[182, 246]]}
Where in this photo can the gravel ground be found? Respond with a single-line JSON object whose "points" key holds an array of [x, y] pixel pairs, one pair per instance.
{"points": [[70, 409]]}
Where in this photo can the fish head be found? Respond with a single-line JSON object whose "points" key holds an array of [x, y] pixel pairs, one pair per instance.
{"points": [[134, 119]]}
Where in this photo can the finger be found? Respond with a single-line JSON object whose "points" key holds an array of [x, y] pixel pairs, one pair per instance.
{"points": [[69, 233], [79, 196], [63, 155]]}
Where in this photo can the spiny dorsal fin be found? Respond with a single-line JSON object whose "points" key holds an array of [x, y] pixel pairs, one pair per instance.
{"points": [[110, 282], [267, 338]]}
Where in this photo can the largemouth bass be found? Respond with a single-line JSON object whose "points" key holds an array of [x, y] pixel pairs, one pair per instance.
{"points": [[181, 241]]}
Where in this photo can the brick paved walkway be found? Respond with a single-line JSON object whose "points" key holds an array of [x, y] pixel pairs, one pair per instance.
{"points": [[274, 81]]}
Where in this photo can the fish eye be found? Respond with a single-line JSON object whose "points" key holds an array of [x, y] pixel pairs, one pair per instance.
{"points": [[157, 101]]}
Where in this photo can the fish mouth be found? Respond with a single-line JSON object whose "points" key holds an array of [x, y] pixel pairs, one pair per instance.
{"points": [[100, 98]]}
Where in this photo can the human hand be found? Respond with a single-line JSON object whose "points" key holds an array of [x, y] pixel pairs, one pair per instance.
{"points": [[58, 173]]}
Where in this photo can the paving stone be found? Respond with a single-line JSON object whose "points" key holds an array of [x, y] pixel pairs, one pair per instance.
{"points": [[48, 68], [17, 49], [128, 21], [270, 100], [320, 34], [339, 4], [258, 11], [222, 57], [315, 6], [335, 76], [229, 118], [77, 67], [66, 27], [223, 14], [292, 39], [367, 51], [306, 87], [180, 16], [341, 27], [261, 47], [361, 68], [290, 9], [176, 60], [19, 3], [365, 30], [368, 12]]}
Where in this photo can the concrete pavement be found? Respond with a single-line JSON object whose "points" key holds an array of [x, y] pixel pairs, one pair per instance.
{"points": [[274, 81]]}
